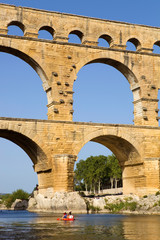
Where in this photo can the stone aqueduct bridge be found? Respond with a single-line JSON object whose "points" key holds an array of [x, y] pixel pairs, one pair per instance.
{"points": [[53, 144]]}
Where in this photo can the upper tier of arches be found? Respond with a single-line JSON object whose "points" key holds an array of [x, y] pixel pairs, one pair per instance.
{"points": [[108, 41], [89, 30]]}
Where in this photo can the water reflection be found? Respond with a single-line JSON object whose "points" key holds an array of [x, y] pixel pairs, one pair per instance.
{"points": [[142, 227], [87, 227]]}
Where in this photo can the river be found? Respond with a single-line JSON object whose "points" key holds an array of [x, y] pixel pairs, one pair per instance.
{"points": [[21, 225]]}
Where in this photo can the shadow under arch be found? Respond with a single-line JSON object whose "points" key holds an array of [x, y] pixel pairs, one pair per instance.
{"points": [[124, 69], [18, 24], [30, 61], [31, 148], [119, 66], [136, 43], [124, 149]]}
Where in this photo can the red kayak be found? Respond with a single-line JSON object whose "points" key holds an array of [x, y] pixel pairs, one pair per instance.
{"points": [[66, 219]]}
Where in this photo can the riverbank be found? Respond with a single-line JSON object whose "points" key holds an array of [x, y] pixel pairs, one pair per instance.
{"points": [[126, 204], [80, 203], [75, 202]]}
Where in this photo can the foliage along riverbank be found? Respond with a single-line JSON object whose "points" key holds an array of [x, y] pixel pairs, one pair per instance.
{"points": [[16, 200], [75, 202], [125, 204]]}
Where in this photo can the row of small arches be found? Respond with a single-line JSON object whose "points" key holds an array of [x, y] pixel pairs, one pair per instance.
{"points": [[76, 36]]}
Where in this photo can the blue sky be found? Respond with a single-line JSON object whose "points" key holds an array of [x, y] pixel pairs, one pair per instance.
{"points": [[113, 103]]}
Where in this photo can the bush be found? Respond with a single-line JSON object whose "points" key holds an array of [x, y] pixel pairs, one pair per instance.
{"points": [[157, 204], [128, 198], [157, 193], [94, 209], [117, 207], [131, 206], [145, 196], [10, 198], [4, 197]]}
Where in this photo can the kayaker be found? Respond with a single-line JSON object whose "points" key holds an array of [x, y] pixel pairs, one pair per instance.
{"points": [[64, 216], [70, 216]]}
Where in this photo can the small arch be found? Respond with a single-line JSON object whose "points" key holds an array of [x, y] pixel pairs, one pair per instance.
{"points": [[104, 41], [16, 28], [156, 47], [46, 32], [75, 36], [133, 44]]}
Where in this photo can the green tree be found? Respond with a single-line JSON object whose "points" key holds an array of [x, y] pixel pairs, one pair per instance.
{"points": [[94, 172], [98, 170], [115, 171], [79, 176], [91, 172]]}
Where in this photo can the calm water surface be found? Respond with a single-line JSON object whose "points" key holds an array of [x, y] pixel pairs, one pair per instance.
{"points": [[25, 225]]}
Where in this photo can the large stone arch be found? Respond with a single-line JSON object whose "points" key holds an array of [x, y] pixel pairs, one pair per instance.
{"points": [[125, 70], [115, 62], [37, 154], [127, 153]]}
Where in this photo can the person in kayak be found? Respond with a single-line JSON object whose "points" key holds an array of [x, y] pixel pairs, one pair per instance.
{"points": [[64, 216], [70, 216]]}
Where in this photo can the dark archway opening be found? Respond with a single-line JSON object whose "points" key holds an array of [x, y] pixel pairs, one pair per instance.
{"points": [[75, 37], [133, 44], [156, 47], [16, 28], [104, 41], [46, 32]]}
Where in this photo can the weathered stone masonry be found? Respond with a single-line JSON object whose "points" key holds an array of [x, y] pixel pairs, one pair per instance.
{"points": [[53, 145]]}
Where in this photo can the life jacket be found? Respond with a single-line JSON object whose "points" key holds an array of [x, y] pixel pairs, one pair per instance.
{"points": [[71, 217]]}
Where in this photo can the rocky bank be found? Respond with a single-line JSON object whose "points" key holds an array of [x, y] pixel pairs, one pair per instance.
{"points": [[73, 201], [61, 201], [127, 204], [17, 205]]}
